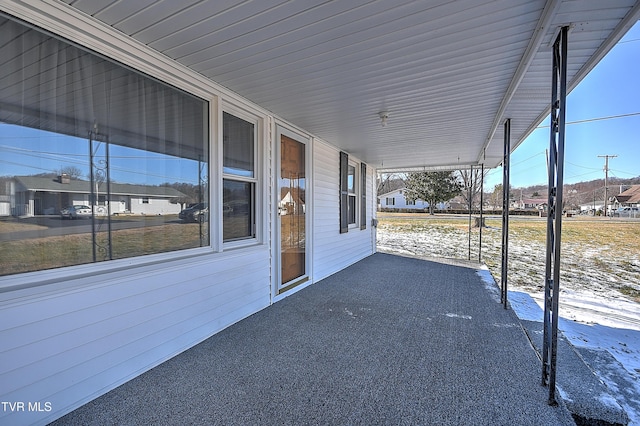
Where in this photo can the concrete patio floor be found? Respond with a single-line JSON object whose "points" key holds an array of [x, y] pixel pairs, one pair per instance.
{"points": [[389, 340]]}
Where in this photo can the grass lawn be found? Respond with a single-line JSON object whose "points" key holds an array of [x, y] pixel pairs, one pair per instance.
{"points": [[75, 249], [596, 253]]}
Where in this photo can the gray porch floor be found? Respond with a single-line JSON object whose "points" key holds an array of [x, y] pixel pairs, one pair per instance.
{"points": [[389, 340]]}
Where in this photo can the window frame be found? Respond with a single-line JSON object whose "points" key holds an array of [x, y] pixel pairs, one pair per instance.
{"points": [[359, 193], [57, 22], [256, 180], [355, 195]]}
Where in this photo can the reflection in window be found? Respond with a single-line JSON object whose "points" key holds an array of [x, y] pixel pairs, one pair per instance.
{"points": [[79, 130], [238, 210], [238, 146]]}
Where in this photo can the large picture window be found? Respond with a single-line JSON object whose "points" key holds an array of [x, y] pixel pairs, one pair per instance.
{"points": [[97, 161], [239, 178]]}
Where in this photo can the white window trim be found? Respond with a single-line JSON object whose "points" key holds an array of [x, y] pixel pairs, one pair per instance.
{"points": [[356, 194], [258, 121]]}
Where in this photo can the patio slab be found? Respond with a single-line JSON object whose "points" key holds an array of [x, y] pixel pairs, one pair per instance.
{"points": [[389, 340]]}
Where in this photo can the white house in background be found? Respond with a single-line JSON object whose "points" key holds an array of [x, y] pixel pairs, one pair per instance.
{"points": [[36, 195], [249, 103], [530, 203], [396, 200]]}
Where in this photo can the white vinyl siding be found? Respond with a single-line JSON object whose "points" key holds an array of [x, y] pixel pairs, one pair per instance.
{"points": [[333, 251], [75, 343]]}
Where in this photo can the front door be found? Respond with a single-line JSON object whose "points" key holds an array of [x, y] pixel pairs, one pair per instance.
{"points": [[292, 185]]}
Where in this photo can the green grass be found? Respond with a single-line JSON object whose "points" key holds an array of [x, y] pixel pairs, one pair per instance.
{"points": [[53, 252]]}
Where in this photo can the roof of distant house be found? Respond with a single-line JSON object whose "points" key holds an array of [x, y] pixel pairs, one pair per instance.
{"points": [[631, 195], [49, 184], [535, 201]]}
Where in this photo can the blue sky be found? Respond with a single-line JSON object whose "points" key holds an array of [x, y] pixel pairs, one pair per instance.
{"points": [[612, 88], [27, 151]]}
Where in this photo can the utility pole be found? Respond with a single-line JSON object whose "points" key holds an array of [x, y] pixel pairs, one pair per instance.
{"points": [[606, 179]]}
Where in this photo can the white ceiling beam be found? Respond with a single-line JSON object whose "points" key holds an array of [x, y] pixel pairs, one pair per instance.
{"points": [[535, 42]]}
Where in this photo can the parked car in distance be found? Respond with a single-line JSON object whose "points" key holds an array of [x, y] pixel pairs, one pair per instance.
{"points": [[627, 212], [195, 213], [75, 212]]}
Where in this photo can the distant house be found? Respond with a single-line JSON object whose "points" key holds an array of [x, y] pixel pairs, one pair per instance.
{"points": [[291, 201], [36, 195], [628, 198], [590, 208], [530, 203], [396, 200]]}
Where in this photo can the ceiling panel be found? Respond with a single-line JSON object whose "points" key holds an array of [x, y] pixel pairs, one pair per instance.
{"points": [[442, 69]]}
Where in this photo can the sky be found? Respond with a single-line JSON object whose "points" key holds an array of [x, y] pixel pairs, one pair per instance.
{"points": [[611, 89]]}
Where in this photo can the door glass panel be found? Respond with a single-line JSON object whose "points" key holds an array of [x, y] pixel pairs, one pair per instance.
{"points": [[292, 209]]}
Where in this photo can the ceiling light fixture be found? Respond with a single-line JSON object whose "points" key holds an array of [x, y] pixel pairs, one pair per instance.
{"points": [[384, 116]]}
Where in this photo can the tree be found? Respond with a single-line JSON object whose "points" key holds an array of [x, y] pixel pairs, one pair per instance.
{"points": [[474, 181], [496, 196], [432, 187], [388, 182], [72, 171], [192, 193]]}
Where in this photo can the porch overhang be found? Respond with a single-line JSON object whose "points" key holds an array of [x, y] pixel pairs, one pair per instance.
{"points": [[447, 73]]}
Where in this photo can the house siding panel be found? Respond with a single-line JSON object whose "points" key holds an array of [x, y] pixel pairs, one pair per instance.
{"points": [[333, 251], [71, 345]]}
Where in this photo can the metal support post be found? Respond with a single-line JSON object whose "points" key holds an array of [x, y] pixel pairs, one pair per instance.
{"points": [[470, 183], [505, 211], [481, 210], [554, 215]]}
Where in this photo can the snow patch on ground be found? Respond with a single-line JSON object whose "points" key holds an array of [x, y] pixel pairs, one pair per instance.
{"points": [[489, 282], [621, 377], [452, 315]]}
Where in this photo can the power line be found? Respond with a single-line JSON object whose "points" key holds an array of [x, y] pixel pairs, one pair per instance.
{"points": [[624, 173], [629, 41], [582, 167], [589, 120]]}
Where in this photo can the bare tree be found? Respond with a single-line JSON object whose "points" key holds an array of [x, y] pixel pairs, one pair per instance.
{"points": [[472, 180], [496, 196], [72, 171], [388, 182]]}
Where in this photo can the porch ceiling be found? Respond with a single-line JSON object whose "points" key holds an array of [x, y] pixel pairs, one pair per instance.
{"points": [[448, 73]]}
